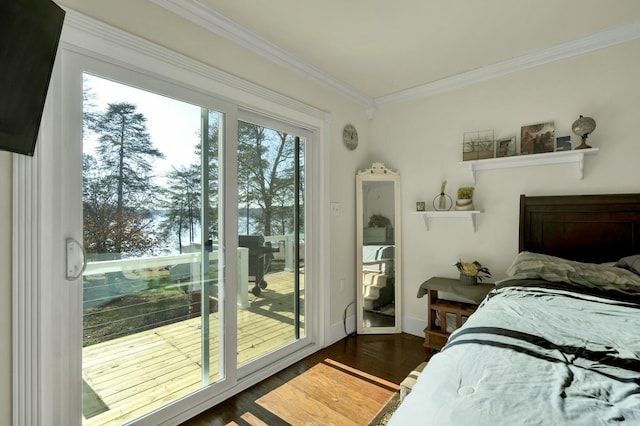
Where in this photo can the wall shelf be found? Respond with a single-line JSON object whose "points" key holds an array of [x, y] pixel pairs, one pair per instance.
{"points": [[575, 156], [450, 214]]}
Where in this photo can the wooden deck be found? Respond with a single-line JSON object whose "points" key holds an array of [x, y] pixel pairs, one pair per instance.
{"points": [[127, 377]]}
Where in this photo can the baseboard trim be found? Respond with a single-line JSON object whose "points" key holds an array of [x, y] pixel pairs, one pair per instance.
{"points": [[410, 325]]}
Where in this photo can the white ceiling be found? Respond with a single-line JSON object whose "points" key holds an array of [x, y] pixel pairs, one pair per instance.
{"points": [[375, 50]]}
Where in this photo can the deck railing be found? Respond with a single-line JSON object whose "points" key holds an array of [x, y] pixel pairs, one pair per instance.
{"points": [[189, 264], [190, 260]]}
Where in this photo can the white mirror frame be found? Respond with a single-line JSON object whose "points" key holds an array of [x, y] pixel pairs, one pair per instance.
{"points": [[378, 173]]}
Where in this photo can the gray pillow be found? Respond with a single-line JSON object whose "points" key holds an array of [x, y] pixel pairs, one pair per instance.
{"points": [[631, 263], [542, 266]]}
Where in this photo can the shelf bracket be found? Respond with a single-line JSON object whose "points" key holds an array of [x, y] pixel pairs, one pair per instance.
{"points": [[581, 167], [454, 214], [472, 170], [425, 218]]}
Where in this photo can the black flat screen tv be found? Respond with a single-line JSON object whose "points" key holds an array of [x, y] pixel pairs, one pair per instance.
{"points": [[29, 35]]}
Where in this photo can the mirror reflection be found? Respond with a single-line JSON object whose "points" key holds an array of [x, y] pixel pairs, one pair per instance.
{"points": [[378, 255], [378, 225]]}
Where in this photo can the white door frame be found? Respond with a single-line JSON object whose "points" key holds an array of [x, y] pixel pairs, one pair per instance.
{"points": [[45, 377]]}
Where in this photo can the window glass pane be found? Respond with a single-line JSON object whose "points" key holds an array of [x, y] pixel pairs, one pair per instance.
{"points": [[271, 229], [150, 289]]}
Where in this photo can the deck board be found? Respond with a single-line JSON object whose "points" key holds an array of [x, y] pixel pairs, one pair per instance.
{"points": [[135, 374]]}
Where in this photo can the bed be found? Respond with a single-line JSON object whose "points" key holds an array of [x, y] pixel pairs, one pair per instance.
{"points": [[558, 341], [378, 258], [377, 275]]}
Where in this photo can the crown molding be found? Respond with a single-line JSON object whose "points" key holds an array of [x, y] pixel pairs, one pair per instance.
{"points": [[580, 46], [196, 12], [219, 24], [107, 43]]}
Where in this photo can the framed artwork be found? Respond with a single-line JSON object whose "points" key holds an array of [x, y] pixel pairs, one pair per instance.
{"points": [[478, 145], [563, 143], [537, 138], [506, 147]]}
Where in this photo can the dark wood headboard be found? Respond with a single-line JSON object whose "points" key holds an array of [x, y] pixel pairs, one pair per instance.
{"points": [[585, 228]]}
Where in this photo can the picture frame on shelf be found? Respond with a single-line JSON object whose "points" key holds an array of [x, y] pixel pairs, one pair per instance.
{"points": [[506, 147], [537, 138], [563, 143], [478, 145]]}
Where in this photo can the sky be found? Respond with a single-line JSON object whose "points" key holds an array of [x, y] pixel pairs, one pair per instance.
{"points": [[172, 125]]}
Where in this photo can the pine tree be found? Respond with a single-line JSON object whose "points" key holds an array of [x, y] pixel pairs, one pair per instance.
{"points": [[182, 204], [119, 191]]}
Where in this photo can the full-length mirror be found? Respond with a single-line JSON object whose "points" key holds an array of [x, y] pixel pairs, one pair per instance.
{"points": [[378, 250]]}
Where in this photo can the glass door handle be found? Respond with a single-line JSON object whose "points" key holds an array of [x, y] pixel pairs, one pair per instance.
{"points": [[76, 259]]}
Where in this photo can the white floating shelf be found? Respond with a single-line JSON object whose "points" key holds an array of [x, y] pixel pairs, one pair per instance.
{"points": [[575, 156], [450, 214]]}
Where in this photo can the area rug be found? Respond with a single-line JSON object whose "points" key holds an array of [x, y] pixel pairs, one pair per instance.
{"points": [[326, 394], [385, 413]]}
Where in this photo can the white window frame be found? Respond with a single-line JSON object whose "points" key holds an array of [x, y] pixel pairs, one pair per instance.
{"points": [[44, 374], [311, 292]]}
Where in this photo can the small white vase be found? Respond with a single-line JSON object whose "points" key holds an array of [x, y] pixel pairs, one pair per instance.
{"points": [[464, 204]]}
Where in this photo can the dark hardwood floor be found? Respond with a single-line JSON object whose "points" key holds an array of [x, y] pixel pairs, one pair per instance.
{"points": [[343, 384]]}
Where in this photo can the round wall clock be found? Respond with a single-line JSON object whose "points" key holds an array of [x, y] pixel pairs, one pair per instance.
{"points": [[350, 136]]}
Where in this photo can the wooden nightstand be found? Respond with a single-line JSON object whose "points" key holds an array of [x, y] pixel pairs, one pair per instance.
{"points": [[444, 316]]}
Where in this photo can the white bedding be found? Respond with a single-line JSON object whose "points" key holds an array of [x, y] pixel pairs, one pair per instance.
{"points": [[378, 258], [532, 355]]}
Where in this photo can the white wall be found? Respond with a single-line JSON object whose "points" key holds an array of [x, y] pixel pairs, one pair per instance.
{"points": [[427, 137]]}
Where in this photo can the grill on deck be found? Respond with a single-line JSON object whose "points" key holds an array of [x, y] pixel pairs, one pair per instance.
{"points": [[259, 259]]}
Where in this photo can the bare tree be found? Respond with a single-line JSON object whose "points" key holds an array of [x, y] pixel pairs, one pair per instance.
{"points": [[265, 171]]}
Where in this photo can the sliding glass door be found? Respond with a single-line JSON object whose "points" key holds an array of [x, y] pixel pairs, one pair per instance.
{"points": [[271, 228], [199, 278], [159, 256], [152, 286]]}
